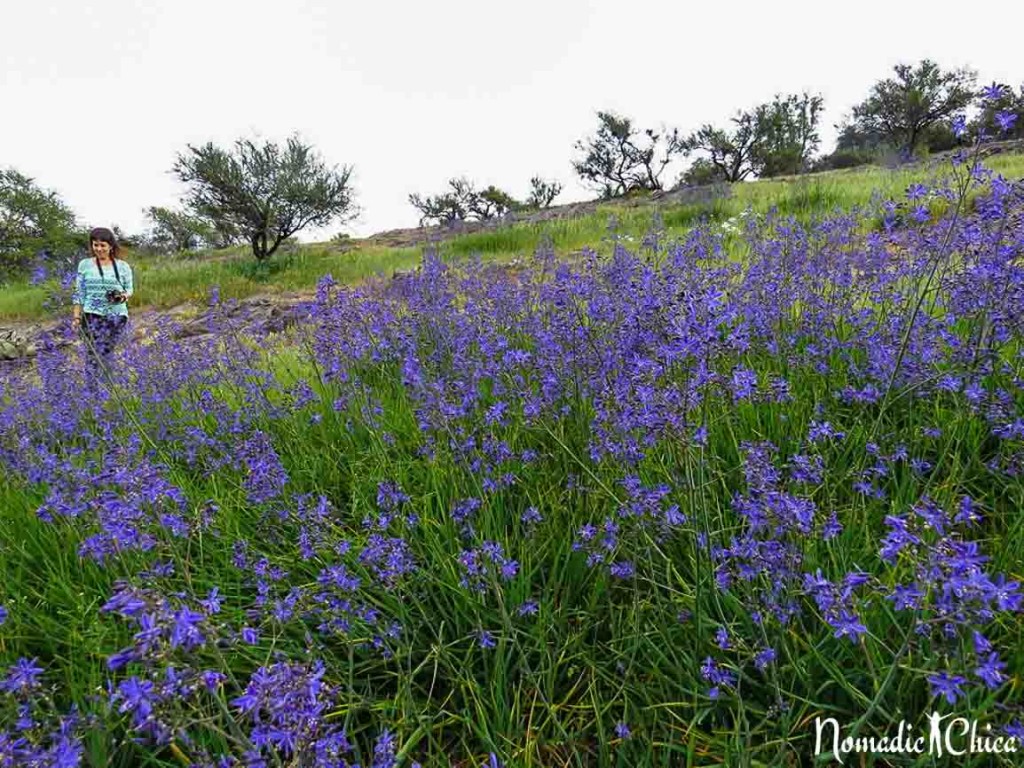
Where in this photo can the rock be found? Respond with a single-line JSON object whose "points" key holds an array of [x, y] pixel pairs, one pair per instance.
{"points": [[13, 345], [191, 328]]}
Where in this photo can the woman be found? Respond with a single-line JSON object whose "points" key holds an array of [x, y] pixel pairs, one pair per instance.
{"points": [[102, 288]]}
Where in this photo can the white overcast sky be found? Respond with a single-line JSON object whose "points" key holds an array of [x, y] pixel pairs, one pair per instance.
{"points": [[99, 97]]}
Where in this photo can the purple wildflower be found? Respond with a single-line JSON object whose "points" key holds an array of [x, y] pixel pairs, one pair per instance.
{"points": [[947, 686]]}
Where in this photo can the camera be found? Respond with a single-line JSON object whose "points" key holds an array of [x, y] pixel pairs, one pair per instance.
{"points": [[115, 297]]}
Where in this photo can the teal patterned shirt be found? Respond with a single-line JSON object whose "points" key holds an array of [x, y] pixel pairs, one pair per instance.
{"points": [[91, 287]]}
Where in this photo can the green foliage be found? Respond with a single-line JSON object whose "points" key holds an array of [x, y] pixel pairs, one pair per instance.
{"points": [[787, 134], [1010, 102], [900, 109], [701, 171], [463, 202], [264, 193], [343, 242], [31, 219], [939, 137], [809, 197], [856, 145], [771, 139], [444, 208], [264, 270], [620, 158], [844, 158], [854, 137], [492, 203], [164, 283], [542, 193], [730, 153], [173, 231]]}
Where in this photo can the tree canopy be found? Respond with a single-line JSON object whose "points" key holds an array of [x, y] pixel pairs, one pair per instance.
{"points": [[620, 158], [463, 202], [899, 110], [542, 192], [786, 134], [31, 219], [266, 193], [774, 138], [1002, 114]]}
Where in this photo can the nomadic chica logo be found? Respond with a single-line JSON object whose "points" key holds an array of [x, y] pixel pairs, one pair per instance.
{"points": [[941, 736]]}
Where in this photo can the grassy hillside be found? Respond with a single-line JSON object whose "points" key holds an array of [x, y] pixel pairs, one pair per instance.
{"points": [[663, 509], [167, 282]]}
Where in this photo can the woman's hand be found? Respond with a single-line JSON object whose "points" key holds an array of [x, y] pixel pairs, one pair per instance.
{"points": [[76, 323]]}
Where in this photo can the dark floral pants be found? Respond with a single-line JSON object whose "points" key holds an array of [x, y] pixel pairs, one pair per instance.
{"points": [[101, 334]]}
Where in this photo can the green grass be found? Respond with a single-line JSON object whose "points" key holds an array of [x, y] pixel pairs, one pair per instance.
{"points": [[167, 282], [600, 650]]}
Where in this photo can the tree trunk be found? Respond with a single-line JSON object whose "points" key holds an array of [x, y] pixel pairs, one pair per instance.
{"points": [[259, 245]]}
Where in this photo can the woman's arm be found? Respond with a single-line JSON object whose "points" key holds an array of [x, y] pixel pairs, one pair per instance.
{"points": [[129, 282], [78, 298]]}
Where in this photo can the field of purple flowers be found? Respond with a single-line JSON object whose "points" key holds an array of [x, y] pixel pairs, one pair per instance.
{"points": [[660, 507]]}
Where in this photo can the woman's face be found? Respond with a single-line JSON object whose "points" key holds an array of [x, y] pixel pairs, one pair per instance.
{"points": [[101, 248]]}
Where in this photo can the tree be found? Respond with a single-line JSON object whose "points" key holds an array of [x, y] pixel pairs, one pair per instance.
{"points": [[442, 209], [900, 109], [620, 159], [701, 173], [492, 203], [31, 219], [774, 138], [447, 207], [730, 154], [786, 134], [854, 147], [1002, 115], [464, 202], [175, 230], [264, 193], [542, 193]]}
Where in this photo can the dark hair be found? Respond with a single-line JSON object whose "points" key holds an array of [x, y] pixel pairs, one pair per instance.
{"points": [[104, 235]]}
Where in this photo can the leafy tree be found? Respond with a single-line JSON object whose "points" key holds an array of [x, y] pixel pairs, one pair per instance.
{"points": [[463, 202], [940, 137], [31, 219], [442, 209], [853, 138], [542, 193], [175, 230], [855, 146], [700, 173], [1001, 116], [843, 158], [774, 138], [264, 193], [619, 158], [730, 154], [447, 207], [127, 239], [900, 109], [491, 203], [786, 134]]}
